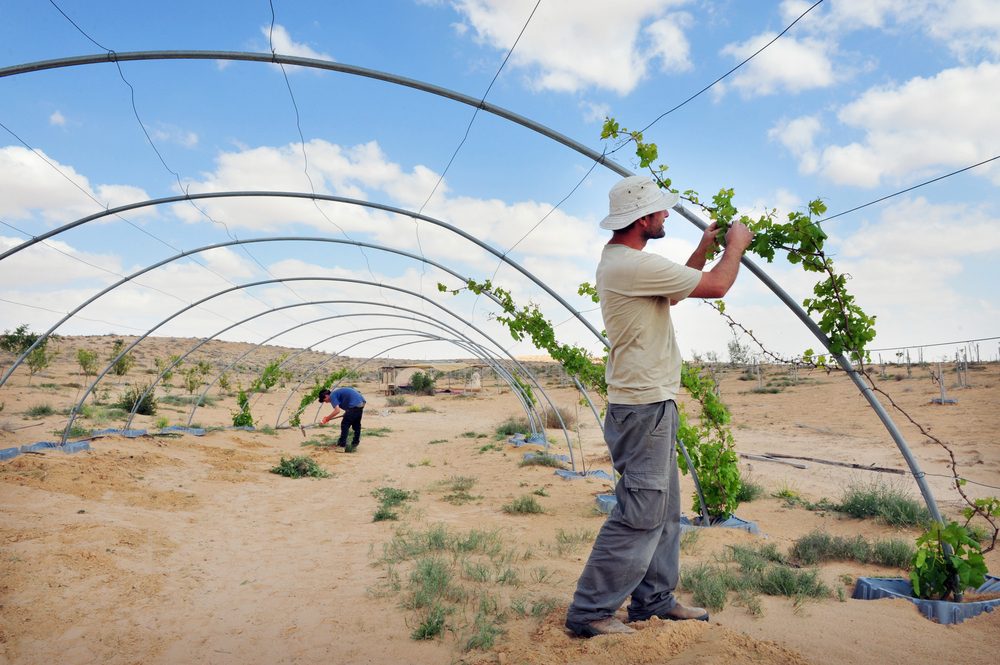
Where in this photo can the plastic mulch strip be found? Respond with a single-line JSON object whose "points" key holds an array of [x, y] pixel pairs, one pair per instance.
{"points": [[942, 611]]}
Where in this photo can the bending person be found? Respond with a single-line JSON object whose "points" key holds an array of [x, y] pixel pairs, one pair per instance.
{"points": [[350, 404]]}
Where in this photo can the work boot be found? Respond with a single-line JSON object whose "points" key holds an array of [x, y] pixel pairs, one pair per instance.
{"points": [[609, 626], [678, 613]]}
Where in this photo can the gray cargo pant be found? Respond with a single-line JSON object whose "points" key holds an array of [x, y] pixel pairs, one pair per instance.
{"points": [[637, 551]]}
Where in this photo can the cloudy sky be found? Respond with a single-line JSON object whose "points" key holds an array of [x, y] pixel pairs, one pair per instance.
{"points": [[858, 100]]}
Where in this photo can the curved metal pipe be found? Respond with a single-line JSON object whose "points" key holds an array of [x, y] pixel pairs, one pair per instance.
{"points": [[294, 355], [536, 127], [79, 405], [229, 243], [482, 355], [508, 378]]}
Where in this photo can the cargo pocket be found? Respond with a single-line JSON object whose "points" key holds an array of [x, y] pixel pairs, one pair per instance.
{"points": [[642, 499]]}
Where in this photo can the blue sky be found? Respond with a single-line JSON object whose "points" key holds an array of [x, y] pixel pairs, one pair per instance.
{"points": [[858, 100]]}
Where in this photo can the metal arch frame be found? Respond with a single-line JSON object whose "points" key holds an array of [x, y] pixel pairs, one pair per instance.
{"points": [[482, 354], [507, 374], [844, 363], [153, 266], [291, 357], [430, 337], [79, 405]]}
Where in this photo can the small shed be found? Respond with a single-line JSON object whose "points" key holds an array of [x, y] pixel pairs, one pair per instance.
{"points": [[395, 377]]}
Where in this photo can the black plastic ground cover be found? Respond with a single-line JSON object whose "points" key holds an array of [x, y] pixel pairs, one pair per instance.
{"points": [[942, 611]]}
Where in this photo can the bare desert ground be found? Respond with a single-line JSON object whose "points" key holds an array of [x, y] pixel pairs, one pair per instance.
{"points": [[184, 549]]}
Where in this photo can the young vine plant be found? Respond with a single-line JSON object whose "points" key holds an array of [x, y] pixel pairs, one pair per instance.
{"points": [[942, 553]]}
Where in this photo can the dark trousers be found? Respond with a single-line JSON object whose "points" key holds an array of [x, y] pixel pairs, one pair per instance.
{"points": [[351, 419], [637, 551]]}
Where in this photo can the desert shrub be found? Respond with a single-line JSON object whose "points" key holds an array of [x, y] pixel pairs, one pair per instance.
{"points": [[750, 490], [224, 381], [422, 383], [389, 498], [552, 420], [138, 397], [885, 501], [525, 505], [758, 569], [40, 411], [513, 425], [121, 365], [396, 400], [709, 585], [820, 546], [299, 467], [432, 623], [542, 459], [188, 400]]}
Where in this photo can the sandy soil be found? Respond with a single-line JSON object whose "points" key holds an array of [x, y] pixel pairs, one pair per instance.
{"points": [[186, 549]]}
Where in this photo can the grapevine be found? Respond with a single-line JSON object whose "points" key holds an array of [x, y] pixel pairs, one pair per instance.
{"points": [[849, 330]]}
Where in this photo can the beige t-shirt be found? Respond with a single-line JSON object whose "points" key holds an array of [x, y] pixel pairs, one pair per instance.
{"points": [[635, 287]]}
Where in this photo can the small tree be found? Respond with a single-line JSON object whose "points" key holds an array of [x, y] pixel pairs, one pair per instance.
{"points": [[192, 379], [270, 376], [422, 384], [162, 365], [87, 360], [243, 418], [19, 340], [738, 353], [123, 364], [39, 359]]}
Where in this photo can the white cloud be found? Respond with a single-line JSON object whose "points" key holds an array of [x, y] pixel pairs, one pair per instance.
{"points": [[591, 45], [171, 134], [57, 119], [669, 42], [799, 136], [789, 64], [365, 172], [283, 44], [922, 231], [920, 258], [53, 190], [595, 111], [967, 28], [55, 262], [919, 127]]}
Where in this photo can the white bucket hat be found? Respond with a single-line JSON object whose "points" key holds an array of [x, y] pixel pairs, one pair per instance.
{"points": [[635, 197]]}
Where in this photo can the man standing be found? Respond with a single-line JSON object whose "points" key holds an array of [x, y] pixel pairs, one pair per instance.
{"points": [[349, 403], [637, 551]]}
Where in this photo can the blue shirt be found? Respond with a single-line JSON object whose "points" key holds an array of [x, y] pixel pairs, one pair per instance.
{"points": [[346, 398]]}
